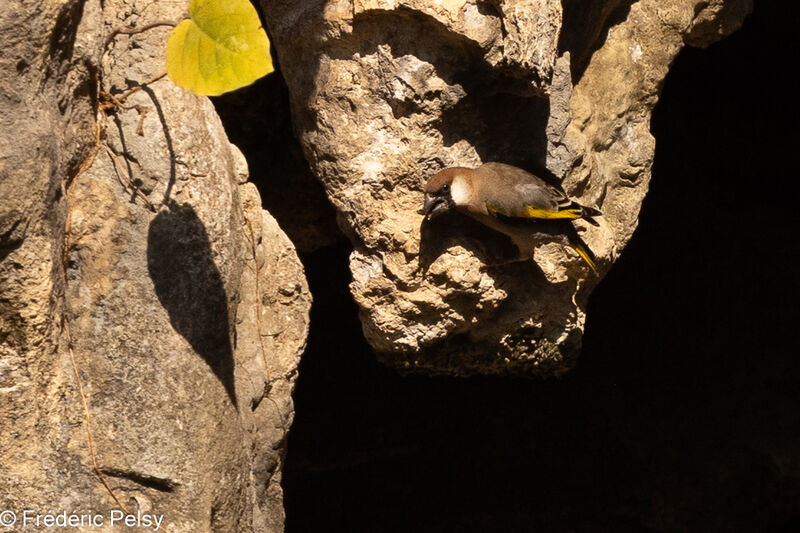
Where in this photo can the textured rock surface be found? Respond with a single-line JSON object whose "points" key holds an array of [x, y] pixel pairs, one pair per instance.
{"points": [[385, 93], [186, 305]]}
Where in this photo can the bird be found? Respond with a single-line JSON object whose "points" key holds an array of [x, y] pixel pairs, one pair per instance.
{"points": [[512, 201]]}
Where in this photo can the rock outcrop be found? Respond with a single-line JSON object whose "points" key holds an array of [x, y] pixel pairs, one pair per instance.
{"points": [[387, 92], [134, 253]]}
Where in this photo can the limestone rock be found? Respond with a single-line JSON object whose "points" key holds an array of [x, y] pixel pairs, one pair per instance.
{"points": [[186, 306], [387, 92]]}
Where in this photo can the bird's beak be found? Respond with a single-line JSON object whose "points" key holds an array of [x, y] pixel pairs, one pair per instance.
{"points": [[434, 205]]}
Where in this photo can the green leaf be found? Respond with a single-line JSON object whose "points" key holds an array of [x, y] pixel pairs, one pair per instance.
{"points": [[221, 48]]}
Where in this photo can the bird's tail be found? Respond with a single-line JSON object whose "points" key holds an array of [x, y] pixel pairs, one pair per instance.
{"points": [[576, 243], [587, 213], [585, 254]]}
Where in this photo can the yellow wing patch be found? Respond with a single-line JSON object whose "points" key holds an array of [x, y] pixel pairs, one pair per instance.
{"points": [[570, 214], [531, 212]]}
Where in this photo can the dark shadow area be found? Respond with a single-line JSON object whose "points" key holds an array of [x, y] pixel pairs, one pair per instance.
{"points": [[189, 286], [683, 411], [9, 242], [585, 26], [62, 39], [451, 229], [496, 124]]}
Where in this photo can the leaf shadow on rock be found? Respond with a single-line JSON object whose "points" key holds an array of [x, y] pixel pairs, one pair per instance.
{"points": [[190, 287]]}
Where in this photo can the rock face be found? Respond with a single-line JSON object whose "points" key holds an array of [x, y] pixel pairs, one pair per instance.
{"points": [[387, 92], [149, 255]]}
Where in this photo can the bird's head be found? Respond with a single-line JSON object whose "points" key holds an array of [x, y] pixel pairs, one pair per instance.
{"points": [[439, 191]]}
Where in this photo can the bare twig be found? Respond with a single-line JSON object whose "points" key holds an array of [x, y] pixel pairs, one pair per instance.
{"points": [[134, 31], [122, 97], [129, 184]]}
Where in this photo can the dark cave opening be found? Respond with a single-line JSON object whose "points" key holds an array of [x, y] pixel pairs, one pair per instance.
{"points": [[682, 413]]}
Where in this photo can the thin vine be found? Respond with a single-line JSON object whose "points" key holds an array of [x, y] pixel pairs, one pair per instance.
{"points": [[106, 102]]}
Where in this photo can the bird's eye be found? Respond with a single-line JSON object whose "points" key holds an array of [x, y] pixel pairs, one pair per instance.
{"points": [[445, 188]]}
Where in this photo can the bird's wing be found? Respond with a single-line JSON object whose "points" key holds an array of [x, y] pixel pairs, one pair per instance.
{"points": [[517, 194]]}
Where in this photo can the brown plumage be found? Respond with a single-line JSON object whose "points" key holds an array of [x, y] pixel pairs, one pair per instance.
{"points": [[512, 201]]}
